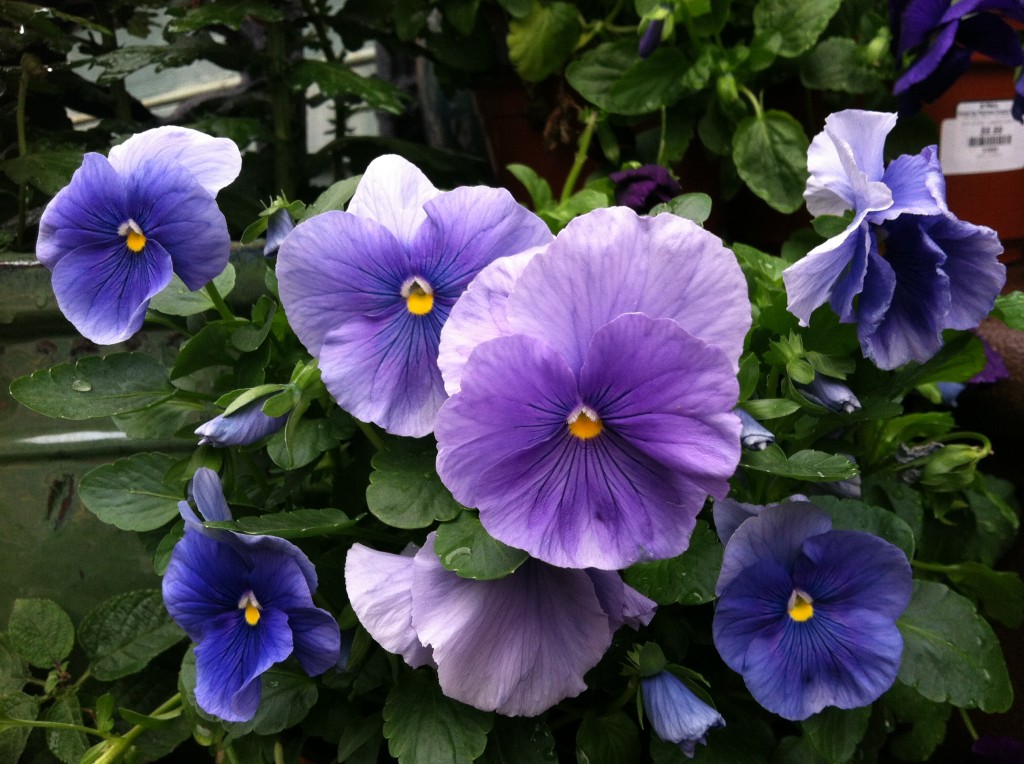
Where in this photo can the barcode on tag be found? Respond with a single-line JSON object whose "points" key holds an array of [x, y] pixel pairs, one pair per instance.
{"points": [[983, 137]]}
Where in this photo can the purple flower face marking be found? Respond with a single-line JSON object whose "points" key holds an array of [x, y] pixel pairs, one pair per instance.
{"points": [[517, 645], [944, 34], [246, 601], [368, 290], [592, 390], [116, 233], [807, 614], [676, 713], [904, 268], [240, 428]]}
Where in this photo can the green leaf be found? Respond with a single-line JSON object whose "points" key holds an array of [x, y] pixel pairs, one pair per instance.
{"points": [[770, 408], [335, 80], [1010, 310], [465, 548], [799, 22], [594, 73], [335, 197], [649, 84], [131, 493], [66, 745], [849, 514], [95, 386], [688, 579], [815, 466], [176, 299], [210, 346], [838, 63], [920, 724], [404, 490], [540, 43], [950, 653], [1000, 594], [519, 740], [770, 153], [230, 13], [835, 732], [16, 705], [12, 668], [300, 442], [695, 207], [285, 700], [40, 632], [960, 358], [608, 739], [48, 171], [124, 633], [298, 524], [422, 726], [536, 186]]}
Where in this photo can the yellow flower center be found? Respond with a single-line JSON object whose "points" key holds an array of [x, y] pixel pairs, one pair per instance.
{"points": [[799, 607], [585, 423], [134, 238], [251, 607], [419, 297]]}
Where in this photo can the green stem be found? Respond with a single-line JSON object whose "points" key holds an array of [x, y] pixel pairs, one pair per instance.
{"points": [[218, 302], [278, 752], [230, 755], [372, 435], [281, 109], [968, 724], [581, 157], [754, 100], [120, 746], [57, 726], [663, 140], [933, 567]]}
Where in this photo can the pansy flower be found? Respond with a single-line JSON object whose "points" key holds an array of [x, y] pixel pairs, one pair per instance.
{"points": [[368, 290], [904, 268], [240, 428], [516, 645], [593, 386], [676, 713], [641, 188], [942, 35], [246, 601], [116, 233], [807, 614]]}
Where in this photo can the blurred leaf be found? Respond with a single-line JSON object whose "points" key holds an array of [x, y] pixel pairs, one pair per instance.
{"points": [[838, 63], [40, 632], [540, 43], [336, 80], [131, 493], [770, 152], [921, 723], [799, 22], [519, 741], [1010, 310], [465, 548], [124, 633], [536, 186], [594, 73], [230, 13], [607, 739], [48, 171], [950, 653], [835, 732]]}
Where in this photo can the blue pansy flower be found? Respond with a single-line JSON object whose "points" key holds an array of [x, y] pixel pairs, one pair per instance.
{"points": [[676, 713], [240, 428], [115, 234], [246, 601], [367, 290], [942, 35], [904, 268], [807, 614]]}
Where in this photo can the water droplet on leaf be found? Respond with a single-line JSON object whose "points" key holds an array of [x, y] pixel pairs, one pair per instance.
{"points": [[81, 386]]}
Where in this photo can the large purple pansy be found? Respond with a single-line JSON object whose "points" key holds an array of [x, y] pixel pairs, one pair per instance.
{"points": [[368, 290], [116, 233]]}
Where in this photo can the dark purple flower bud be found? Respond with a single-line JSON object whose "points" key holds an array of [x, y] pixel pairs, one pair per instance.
{"points": [[642, 188], [240, 428], [830, 393], [753, 436], [676, 713], [651, 38], [278, 228]]}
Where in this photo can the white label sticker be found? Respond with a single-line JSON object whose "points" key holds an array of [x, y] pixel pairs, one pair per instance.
{"points": [[983, 137]]}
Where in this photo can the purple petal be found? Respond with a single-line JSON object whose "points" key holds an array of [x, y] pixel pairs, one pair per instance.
{"points": [[468, 228], [676, 713], [930, 62], [241, 428], [317, 639], [174, 210], [992, 36], [383, 369], [622, 603], [88, 211], [204, 579], [976, 276], [854, 570], [479, 315], [278, 228], [206, 491], [918, 20], [918, 186], [751, 607], [337, 266], [379, 588], [810, 281], [104, 290], [730, 514], [610, 261], [213, 162], [392, 193], [668, 394], [776, 535], [232, 656], [517, 645]]}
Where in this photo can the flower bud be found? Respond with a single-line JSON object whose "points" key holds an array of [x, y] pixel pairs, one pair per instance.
{"points": [[830, 393], [753, 435], [240, 428]]}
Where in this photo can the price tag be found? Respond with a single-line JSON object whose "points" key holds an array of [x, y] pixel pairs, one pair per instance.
{"points": [[983, 137]]}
